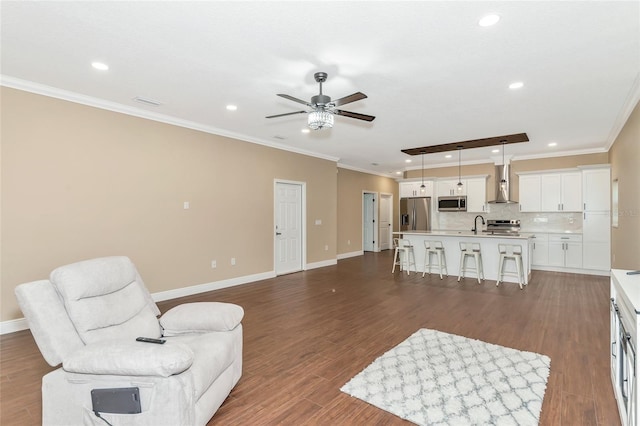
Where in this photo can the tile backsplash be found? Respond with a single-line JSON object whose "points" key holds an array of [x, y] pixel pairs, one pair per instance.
{"points": [[529, 222]]}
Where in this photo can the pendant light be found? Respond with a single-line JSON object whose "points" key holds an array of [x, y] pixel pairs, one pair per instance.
{"points": [[503, 181], [459, 167], [423, 188]]}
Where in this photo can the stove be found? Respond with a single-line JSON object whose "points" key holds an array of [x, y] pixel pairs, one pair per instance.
{"points": [[503, 226]]}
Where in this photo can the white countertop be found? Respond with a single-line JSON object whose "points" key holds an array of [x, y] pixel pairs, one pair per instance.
{"points": [[630, 285], [466, 234]]}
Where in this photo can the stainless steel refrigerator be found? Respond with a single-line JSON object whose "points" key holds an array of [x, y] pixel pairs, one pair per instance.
{"points": [[415, 214]]}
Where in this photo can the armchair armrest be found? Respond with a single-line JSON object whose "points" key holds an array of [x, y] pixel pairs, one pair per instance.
{"points": [[201, 317], [125, 358]]}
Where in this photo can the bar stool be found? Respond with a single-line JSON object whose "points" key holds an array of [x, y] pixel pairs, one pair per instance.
{"points": [[404, 255], [472, 250], [434, 248], [510, 252]]}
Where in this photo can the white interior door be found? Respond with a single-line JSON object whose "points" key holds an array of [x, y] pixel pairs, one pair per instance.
{"points": [[369, 219], [289, 227], [385, 221]]}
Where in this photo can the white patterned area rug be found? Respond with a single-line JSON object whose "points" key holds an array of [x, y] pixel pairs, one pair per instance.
{"points": [[436, 378]]}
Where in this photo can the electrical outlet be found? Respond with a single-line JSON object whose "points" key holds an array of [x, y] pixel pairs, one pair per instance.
{"points": [[326, 248], [214, 264], [348, 242], [233, 261], [186, 205]]}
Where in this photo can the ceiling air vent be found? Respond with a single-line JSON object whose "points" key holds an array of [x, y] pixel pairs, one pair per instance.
{"points": [[147, 101]]}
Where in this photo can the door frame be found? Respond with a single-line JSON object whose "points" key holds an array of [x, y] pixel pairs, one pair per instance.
{"points": [[376, 243], [303, 220], [390, 197]]}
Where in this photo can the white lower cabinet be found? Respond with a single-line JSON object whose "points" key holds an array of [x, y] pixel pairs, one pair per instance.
{"points": [[624, 305], [565, 250], [540, 250], [596, 243]]}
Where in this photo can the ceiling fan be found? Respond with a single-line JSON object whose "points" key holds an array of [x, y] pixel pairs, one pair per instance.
{"points": [[323, 108]]}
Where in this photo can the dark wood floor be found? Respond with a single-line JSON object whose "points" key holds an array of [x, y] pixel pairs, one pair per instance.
{"points": [[306, 334]]}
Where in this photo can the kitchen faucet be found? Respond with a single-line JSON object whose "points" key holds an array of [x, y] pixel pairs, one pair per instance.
{"points": [[475, 227]]}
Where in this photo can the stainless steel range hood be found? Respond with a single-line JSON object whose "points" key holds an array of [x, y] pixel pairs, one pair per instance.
{"points": [[503, 181]]}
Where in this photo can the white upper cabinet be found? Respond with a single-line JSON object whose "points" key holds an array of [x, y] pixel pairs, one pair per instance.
{"points": [[476, 195], [551, 192], [450, 187], [596, 184], [412, 189], [561, 192], [530, 195]]}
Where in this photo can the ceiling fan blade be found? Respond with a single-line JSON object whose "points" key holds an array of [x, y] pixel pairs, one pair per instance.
{"points": [[350, 114], [291, 98], [348, 99], [288, 113]]}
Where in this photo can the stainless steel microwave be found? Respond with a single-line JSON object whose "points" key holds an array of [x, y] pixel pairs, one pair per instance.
{"points": [[452, 204]]}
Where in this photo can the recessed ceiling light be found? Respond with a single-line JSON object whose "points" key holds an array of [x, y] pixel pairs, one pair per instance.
{"points": [[100, 66], [447, 156], [552, 144], [232, 107], [398, 173], [407, 161], [495, 151], [305, 130], [516, 85], [488, 20]]}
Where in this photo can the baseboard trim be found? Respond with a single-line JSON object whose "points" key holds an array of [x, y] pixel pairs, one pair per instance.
{"points": [[321, 264], [571, 270], [351, 254], [216, 285], [11, 326]]}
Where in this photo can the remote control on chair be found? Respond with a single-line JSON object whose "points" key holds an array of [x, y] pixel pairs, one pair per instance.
{"points": [[150, 340]]}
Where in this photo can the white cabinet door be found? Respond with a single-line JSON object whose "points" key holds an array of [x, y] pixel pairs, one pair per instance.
{"points": [[450, 187], [571, 192], [413, 189], [596, 186], [551, 193], [529, 189], [596, 255], [556, 254], [596, 227], [596, 230], [476, 195], [561, 192], [565, 250], [573, 255], [540, 250], [540, 254]]}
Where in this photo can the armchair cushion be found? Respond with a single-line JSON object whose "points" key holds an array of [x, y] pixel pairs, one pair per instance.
{"points": [[201, 317], [106, 299], [125, 358]]}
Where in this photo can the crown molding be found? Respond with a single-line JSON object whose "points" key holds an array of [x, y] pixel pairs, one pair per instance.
{"points": [[65, 95], [370, 172], [625, 112]]}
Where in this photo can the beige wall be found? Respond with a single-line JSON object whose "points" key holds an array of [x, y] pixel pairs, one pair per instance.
{"points": [[80, 182], [624, 157], [351, 184], [516, 167]]}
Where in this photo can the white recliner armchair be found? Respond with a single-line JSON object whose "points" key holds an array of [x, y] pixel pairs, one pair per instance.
{"points": [[87, 317]]}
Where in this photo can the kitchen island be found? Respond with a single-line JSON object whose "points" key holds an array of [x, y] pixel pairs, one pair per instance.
{"points": [[488, 247]]}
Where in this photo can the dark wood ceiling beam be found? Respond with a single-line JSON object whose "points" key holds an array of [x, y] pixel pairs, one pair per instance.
{"points": [[476, 143]]}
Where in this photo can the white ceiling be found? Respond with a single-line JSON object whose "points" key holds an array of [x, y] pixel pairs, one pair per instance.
{"points": [[431, 73]]}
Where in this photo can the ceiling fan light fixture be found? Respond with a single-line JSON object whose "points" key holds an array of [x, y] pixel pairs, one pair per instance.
{"points": [[320, 119]]}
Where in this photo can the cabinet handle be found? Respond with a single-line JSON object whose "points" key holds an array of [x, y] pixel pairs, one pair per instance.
{"points": [[559, 206], [534, 246], [520, 207], [613, 345], [584, 216]]}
